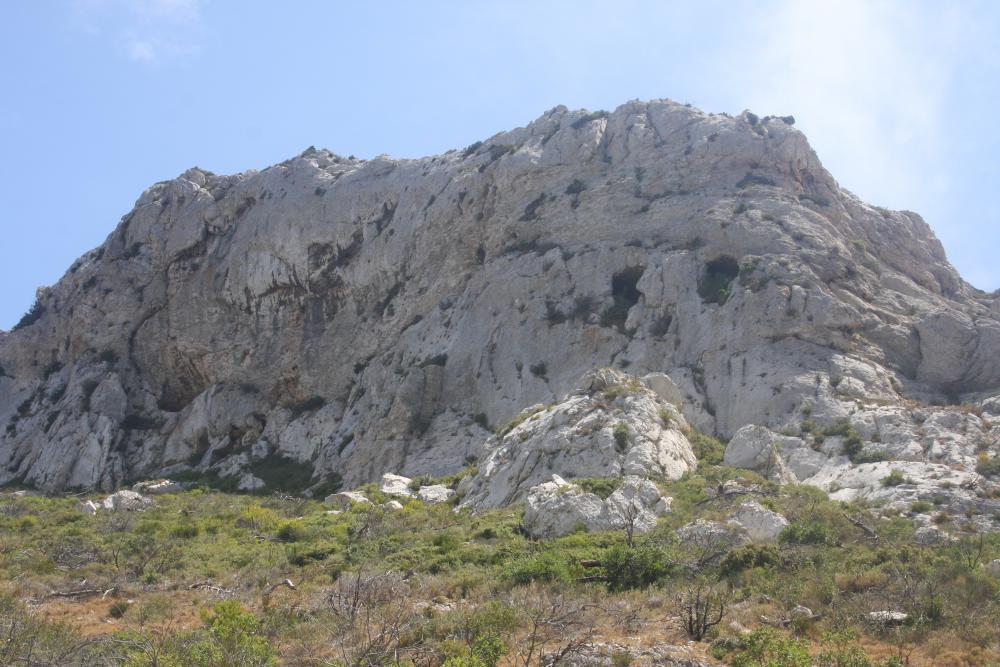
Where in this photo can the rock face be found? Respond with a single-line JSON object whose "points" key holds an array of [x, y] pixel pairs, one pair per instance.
{"points": [[361, 317], [611, 425]]}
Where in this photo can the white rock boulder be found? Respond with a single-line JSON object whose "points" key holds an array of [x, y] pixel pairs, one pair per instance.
{"points": [[88, 507], [396, 485], [760, 523], [126, 501], [556, 508], [435, 493], [346, 499]]}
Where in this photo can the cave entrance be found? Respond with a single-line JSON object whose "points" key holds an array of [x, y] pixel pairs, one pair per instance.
{"points": [[718, 276], [625, 292]]}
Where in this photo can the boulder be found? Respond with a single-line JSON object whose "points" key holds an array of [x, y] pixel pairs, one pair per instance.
{"points": [[435, 493], [87, 507], [753, 447], [126, 501], [396, 485], [556, 508], [344, 500], [800, 611], [392, 505], [760, 523], [887, 617]]}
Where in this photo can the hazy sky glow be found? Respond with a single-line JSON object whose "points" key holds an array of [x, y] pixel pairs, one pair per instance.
{"points": [[102, 98]]}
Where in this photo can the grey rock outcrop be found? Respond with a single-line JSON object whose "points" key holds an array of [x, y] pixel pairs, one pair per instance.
{"points": [[557, 507], [367, 316], [611, 425]]}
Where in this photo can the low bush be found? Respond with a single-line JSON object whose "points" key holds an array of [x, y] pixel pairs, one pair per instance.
{"points": [[640, 566]]}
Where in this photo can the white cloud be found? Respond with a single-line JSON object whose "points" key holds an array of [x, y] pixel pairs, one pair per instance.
{"points": [[147, 31], [868, 82]]}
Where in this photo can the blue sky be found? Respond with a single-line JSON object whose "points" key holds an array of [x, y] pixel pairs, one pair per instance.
{"points": [[102, 98]]}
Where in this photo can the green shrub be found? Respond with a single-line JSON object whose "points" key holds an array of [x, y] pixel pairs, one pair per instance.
{"points": [[185, 531], [634, 567], [807, 533], [539, 370], [589, 118], [544, 566], [921, 507], [764, 647], [281, 473], [755, 179], [713, 287], [986, 466], [118, 608], [622, 437], [525, 415], [708, 450], [895, 478], [30, 317], [601, 487], [291, 530], [748, 556], [238, 638]]}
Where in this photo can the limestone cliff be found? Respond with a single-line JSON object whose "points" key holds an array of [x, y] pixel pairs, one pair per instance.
{"points": [[362, 316]]}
